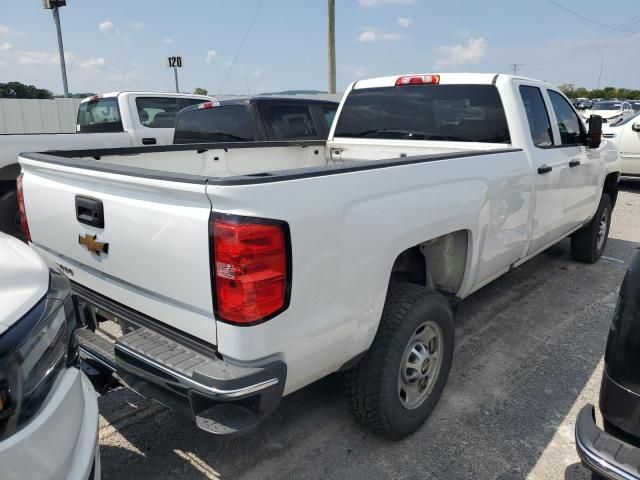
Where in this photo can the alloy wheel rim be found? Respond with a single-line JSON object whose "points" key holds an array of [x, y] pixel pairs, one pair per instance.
{"points": [[420, 365], [602, 229]]}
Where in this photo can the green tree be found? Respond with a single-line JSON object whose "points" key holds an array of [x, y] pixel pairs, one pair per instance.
{"points": [[20, 90], [201, 91]]}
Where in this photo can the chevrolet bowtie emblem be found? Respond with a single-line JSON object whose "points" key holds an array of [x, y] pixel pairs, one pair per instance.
{"points": [[92, 244]]}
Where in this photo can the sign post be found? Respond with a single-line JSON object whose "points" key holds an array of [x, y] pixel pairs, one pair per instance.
{"points": [[175, 63]]}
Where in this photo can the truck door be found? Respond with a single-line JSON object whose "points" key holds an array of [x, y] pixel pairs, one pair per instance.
{"points": [[154, 118], [581, 180], [549, 169]]}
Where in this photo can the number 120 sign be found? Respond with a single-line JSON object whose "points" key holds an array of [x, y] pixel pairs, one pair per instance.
{"points": [[175, 62]]}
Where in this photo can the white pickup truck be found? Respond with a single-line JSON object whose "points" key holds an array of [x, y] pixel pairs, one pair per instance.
{"points": [[625, 134], [217, 278], [117, 119]]}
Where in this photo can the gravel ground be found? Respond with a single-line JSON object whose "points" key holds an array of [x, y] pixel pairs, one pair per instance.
{"points": [[528, 357]]}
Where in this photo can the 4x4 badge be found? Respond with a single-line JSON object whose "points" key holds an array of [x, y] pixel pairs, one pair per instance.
{"points": [[92, 244]]}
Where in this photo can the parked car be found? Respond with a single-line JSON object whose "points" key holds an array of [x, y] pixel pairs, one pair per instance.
{"points": [[625, 135], [118, 119], [610, 110], [255, 119], [237, 273], [615, 452], [584, 105], [48, 408]]}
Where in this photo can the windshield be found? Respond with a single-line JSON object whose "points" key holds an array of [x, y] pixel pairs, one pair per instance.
{"points": [[464, 113], [607, 106], [99, 116], [624, 120]]}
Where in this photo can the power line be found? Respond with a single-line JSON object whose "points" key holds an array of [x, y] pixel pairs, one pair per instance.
{"points": [[590, 20], [246, 34]]}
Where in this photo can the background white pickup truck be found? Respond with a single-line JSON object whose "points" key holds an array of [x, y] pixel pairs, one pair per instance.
{"points": [[117, 119], [217, 278], [625, 134]]}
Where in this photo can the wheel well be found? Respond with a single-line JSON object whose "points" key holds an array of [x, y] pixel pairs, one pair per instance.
{"points": [[438, 263], [8, 175], [611, 186]]}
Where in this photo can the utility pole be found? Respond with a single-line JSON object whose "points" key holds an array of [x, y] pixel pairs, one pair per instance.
{"points": [[515, 67], [54, 5], [331, 4], [600, 76]]}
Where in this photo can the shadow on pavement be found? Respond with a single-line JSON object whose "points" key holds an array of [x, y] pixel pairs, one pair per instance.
{"points": [[527, 345]]}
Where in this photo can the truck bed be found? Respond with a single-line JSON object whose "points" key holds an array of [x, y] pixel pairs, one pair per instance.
{"points": [[256, 162]]}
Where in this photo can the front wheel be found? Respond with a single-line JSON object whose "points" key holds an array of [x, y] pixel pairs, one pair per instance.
{"points": [[398, 383], [10, 216], [588, 243]]}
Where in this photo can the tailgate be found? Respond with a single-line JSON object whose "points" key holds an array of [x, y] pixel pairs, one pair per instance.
{"points": [[157, 230]]}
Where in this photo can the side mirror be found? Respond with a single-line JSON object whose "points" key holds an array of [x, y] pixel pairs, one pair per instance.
{"points": [[636, 127], [594, 136]]}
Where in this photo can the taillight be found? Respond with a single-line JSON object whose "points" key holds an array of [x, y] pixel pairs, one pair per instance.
{"points": [[21, 209], [418, 80], [250, 268], [208, 105]]}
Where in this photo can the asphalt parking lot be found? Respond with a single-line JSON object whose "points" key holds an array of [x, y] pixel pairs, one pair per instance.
{"points": [[528, 357]]}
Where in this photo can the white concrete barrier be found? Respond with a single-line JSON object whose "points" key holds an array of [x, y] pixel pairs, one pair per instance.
{"points": [[38, 116]]}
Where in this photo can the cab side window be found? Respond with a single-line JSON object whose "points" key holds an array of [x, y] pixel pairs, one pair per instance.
{"points": [[569, 124], [537, 116]]}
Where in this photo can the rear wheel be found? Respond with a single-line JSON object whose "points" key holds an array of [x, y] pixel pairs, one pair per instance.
{"points": [[397, 384], [10, 216], [588, 243]]}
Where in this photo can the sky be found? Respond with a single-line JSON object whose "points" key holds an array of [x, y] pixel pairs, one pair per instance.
{"points": [[254, 46]]}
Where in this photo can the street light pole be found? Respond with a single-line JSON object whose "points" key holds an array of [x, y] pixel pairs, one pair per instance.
{"points": [[331, 31], [54, 5]]}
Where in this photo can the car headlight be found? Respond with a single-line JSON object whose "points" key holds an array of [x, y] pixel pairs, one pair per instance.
{"points": [[32, 354]]}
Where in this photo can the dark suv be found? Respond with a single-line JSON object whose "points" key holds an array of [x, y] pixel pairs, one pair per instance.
{"points": [[615, 452]]}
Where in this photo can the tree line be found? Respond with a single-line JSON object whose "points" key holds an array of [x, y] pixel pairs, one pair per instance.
{"points": [[606, 93]]}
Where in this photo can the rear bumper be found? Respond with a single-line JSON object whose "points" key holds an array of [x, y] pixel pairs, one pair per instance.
{"points": [[181, 372], [602, 453]]}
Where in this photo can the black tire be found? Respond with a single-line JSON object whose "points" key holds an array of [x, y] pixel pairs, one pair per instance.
{"points": [[9, 216], [585, 246], [373, 386]]}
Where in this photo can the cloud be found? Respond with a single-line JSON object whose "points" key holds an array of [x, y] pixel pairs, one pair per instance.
{"points": [[211, 55], [137, 25], [6, 46], [41, 58], [391, 37], [5, 31], [404, 21], [367, 36], [106, 27], [370, 35], [378, 3], [472, 52]]}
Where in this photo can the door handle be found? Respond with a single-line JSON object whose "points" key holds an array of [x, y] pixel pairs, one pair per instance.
{"points": [[544, 169], [149, 141], [574, 163]]}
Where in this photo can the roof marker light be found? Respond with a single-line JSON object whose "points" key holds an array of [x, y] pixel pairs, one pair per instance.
{"points": [[418, 80]]}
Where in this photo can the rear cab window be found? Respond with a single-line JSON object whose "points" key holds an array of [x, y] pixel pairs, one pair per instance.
{"points": [[100, 115], [157, 112], [463, 113], [291, 122], [537, 116], [571, 128], [229, 123]]}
